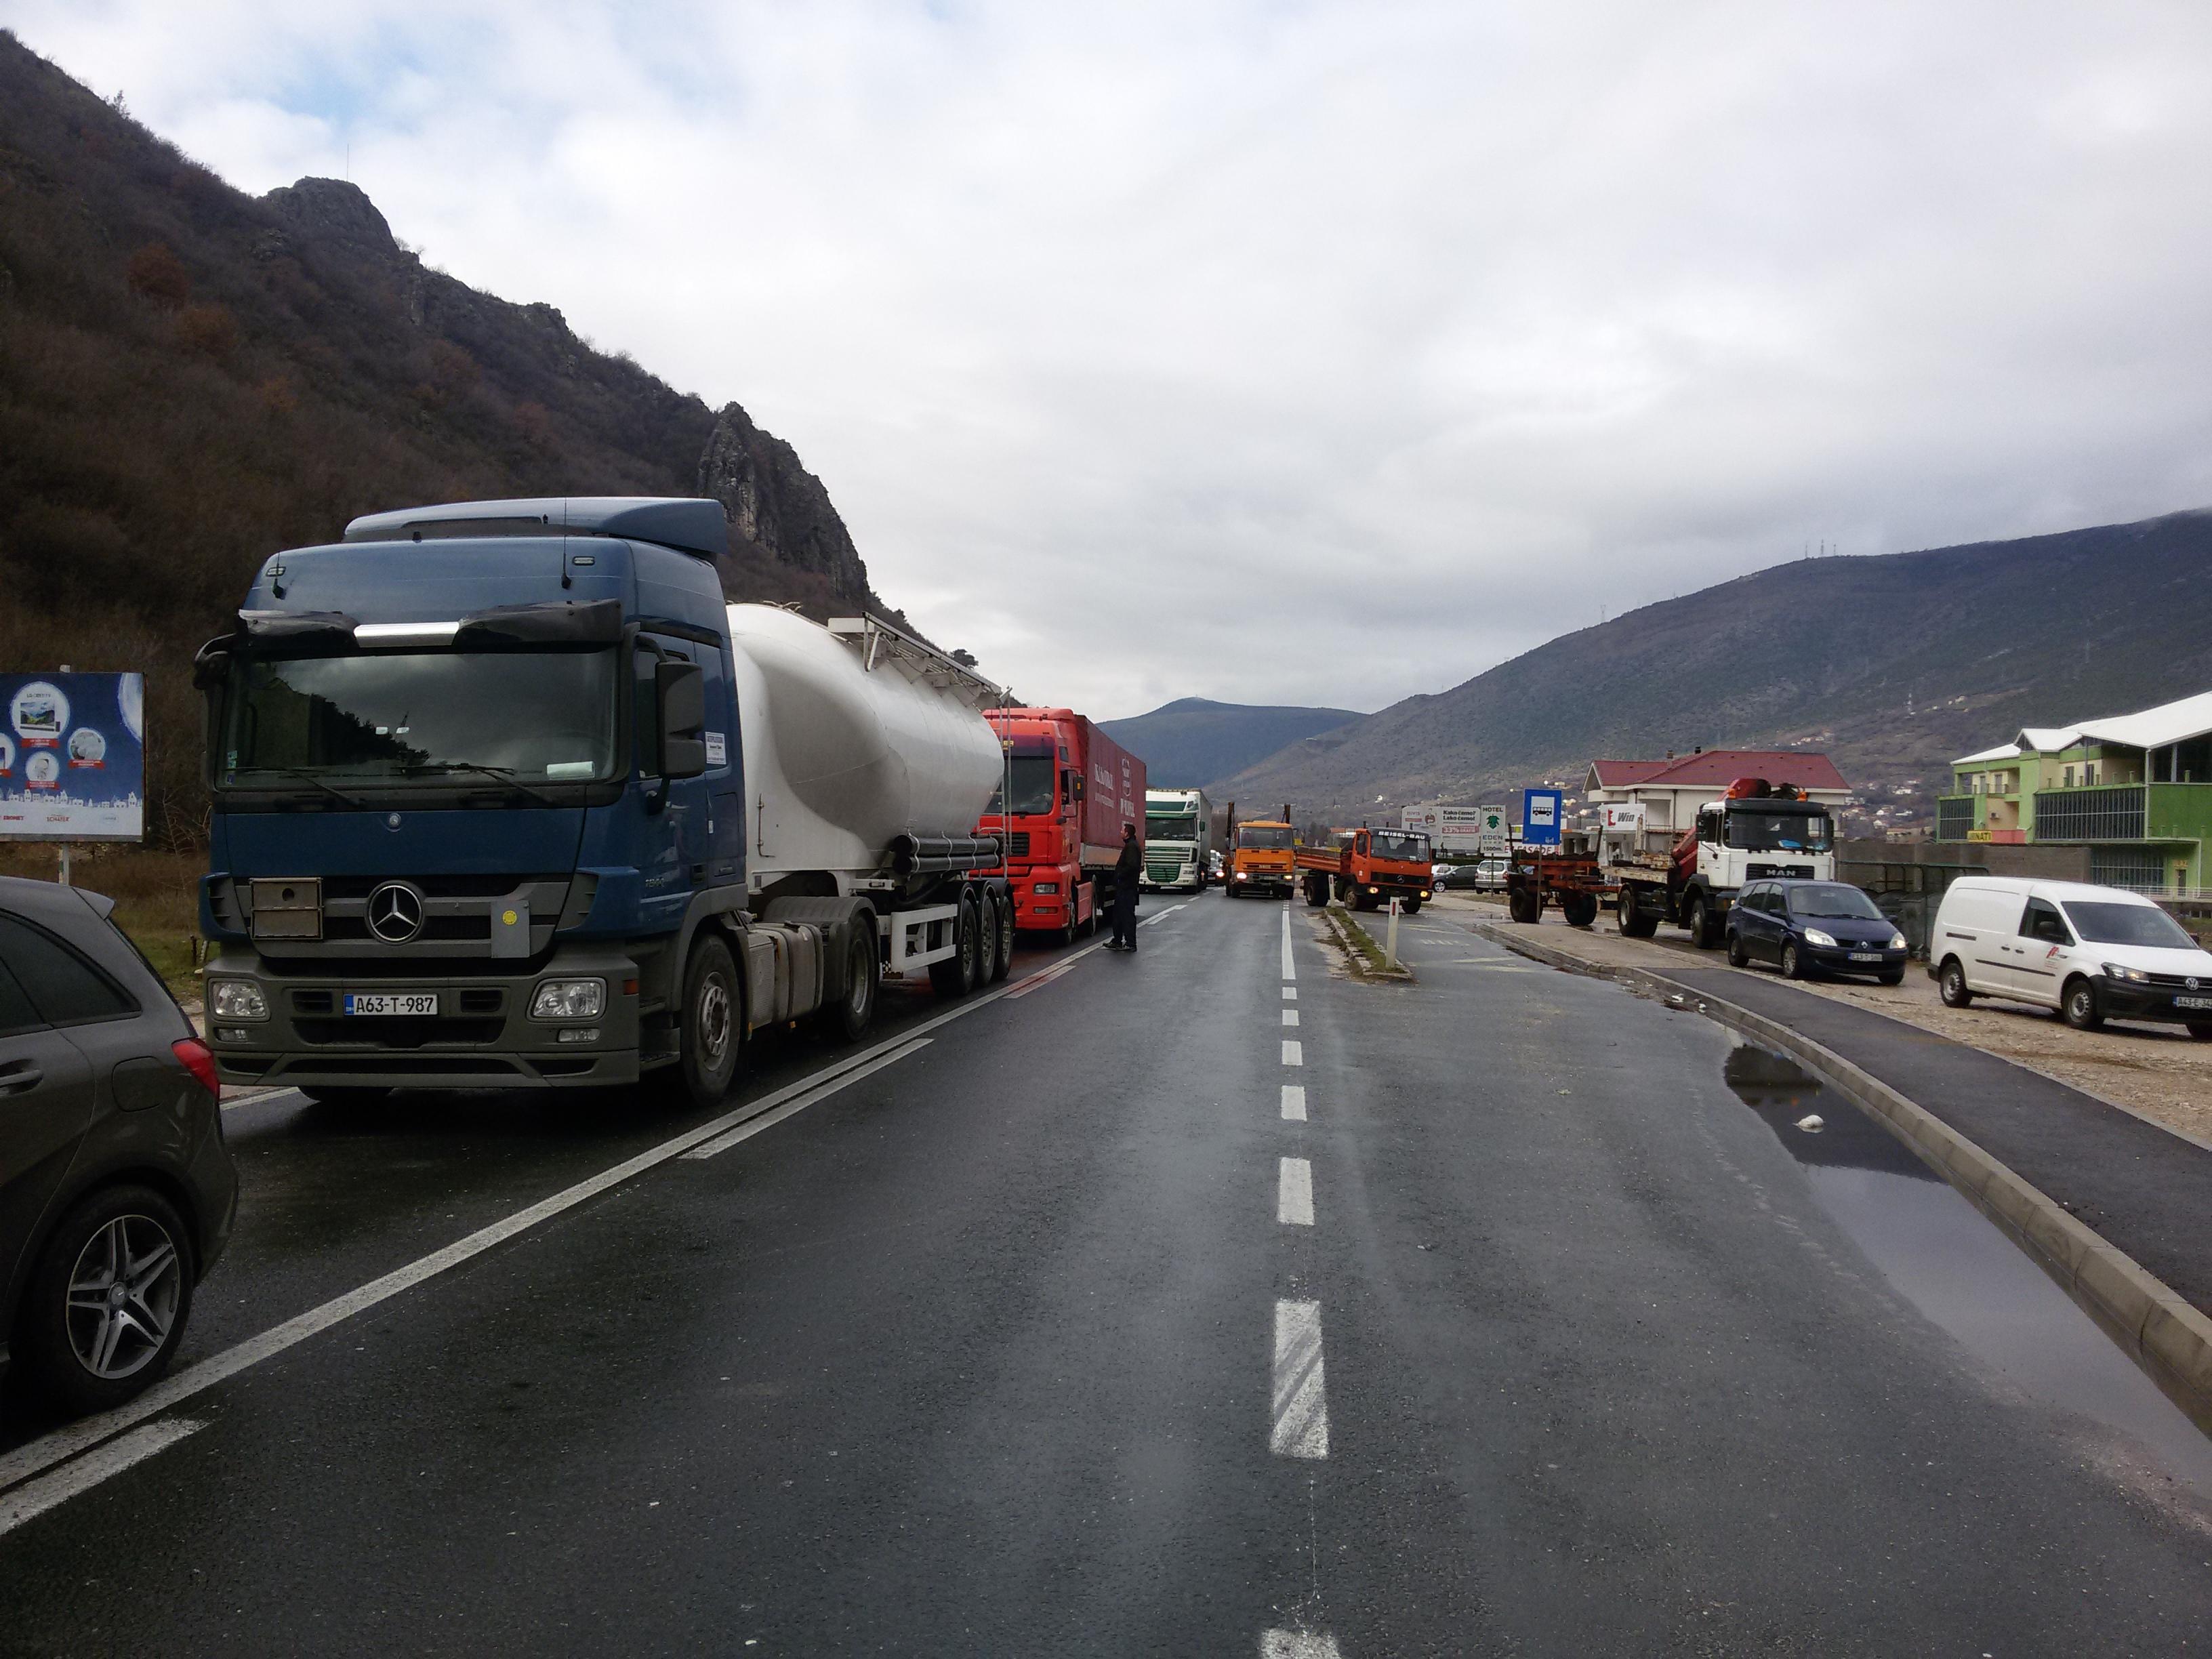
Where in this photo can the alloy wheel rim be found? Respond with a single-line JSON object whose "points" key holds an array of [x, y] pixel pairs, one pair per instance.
{"points": [[124, 1293]]}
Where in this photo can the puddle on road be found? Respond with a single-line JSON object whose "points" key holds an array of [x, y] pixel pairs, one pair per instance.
{"points": [[1953, 1264]]}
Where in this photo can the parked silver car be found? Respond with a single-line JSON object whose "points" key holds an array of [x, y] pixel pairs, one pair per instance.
{"points": [[116, 1190]]}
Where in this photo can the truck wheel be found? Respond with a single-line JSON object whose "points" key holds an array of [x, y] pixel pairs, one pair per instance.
{"points": [[1698, 919], [1951, 986], [2080, 1008], [955, 977], [105, 1308], [1316, 891], [856, 1010], [1411, 906], [1000, 909], [1637, 919], [1579, 908], [713, 1022]]}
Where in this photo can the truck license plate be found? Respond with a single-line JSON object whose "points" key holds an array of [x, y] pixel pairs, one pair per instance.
{"points": [[1865, 956], [417, 1003], [2193, 1002]]}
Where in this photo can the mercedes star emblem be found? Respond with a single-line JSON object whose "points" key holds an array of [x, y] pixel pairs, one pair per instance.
{"points": [[395, 913]]}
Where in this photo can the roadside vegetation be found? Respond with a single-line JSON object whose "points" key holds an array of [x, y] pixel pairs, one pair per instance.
{"points": [[156, 895], [1364, 955]]}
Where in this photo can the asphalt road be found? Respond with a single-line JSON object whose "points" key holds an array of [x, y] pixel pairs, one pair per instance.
{"points": [[1062, 1332]]}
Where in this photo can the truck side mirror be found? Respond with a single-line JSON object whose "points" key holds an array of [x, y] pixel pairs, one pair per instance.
{"points": [[680, 690]]}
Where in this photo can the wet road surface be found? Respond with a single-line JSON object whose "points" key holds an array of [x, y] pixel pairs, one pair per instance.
{"points": [[1204, 1302]]}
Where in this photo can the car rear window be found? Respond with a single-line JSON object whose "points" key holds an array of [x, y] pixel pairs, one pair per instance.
{"points": [[17, 1014], [62, 985]]}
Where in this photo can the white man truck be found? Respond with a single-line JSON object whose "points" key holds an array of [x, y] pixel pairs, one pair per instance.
{"points": [[1759, 831], [1178, 839]]}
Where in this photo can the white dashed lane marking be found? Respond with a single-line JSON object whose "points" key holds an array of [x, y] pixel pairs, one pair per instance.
{"points": [[1294, 1053], [1299, 1644], [1290, 968], [1290, 993], [1290, 1016], [1301, 1399], [1294, 1102], [1294, 1193]]}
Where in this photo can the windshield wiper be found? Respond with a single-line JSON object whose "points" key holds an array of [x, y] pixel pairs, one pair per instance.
{"points": [[307, 776], [505, 775]]}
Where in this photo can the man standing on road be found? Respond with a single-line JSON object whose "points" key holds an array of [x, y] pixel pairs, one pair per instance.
{"points": [[1127, 870]]}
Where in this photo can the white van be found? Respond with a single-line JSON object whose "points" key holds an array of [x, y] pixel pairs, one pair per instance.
{"points": [[2090, 953]]}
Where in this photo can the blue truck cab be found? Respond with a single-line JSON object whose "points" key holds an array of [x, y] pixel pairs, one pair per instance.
{"points": [[477, 789]]}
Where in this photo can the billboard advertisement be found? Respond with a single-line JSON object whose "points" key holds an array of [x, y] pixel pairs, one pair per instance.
{"points": [[1449, 828], [72, 757], [1540, 817]]}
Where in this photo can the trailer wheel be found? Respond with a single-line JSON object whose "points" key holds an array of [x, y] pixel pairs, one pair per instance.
{"points": [[1579, 908], [1523, 906], [1000, 908], [856, 1010], [713, 1022], [1637, 919], [955, 977]]}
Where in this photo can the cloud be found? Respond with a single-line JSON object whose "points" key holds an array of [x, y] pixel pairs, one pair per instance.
{"points": [[1307, 353]]}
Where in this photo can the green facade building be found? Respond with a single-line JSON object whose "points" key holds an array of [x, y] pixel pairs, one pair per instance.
{"points": [[2136, 790]]}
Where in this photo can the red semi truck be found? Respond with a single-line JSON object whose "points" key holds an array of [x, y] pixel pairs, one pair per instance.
{"points": [[1074, 788]]}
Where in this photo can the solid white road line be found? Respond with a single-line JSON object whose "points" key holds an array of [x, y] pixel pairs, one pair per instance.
{"points": [[1294, 1192], [1294, 1102], [1290, 968], [1290, 993], [35, 1456], [1299, 1644], [1301, 1427], [1290, 1016], [36, 1498], [746, 1131], [1294, 1053], [1162, 915]]}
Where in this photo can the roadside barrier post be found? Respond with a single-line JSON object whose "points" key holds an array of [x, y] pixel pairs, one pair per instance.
{"points": [[1390, 938]]}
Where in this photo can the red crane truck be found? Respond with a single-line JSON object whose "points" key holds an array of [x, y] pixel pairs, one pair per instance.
{"points": [[1073, 787]]}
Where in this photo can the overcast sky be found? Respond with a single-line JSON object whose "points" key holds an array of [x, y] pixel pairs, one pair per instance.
{"points": [[1302, 353]]}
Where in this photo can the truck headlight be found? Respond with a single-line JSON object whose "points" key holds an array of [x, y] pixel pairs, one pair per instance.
{"points": [[1243, 875], [570, 998], [1815, 936], [236, 999], [1046, 887], [2130, 975]]}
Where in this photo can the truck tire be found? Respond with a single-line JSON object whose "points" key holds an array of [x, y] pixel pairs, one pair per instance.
{"points": [[710, 1027], [1411, 906], [1698, 919], [999, 907], [70, 1352], [848, 1018], [1317, 890], [1579, 908], [955, 977], [1638, 918]]}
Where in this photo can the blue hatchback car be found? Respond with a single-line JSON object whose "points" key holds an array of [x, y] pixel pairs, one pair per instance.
{"points": [[1806, 927]]}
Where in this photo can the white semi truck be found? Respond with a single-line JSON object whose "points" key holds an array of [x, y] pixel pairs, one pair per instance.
{"points": [[1178, 839], [1758, 832]]}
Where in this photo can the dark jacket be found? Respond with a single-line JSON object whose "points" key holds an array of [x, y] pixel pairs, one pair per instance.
{"points": [[1131, 865]]}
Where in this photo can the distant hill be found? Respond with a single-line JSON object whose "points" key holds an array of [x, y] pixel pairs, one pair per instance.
{"points": [[1191, 744], [1891, 664], [190, 378]]}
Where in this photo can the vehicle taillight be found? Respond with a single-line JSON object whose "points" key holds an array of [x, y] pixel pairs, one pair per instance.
{"points": [[199, 1062]]}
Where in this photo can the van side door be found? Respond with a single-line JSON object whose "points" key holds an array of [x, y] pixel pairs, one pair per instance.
{"points": [[2041, 953]]}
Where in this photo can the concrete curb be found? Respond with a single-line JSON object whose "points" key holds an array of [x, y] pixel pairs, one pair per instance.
{"points": [[1355, 959], [2166, 1335]]}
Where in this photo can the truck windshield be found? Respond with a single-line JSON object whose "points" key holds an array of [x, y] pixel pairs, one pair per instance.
{"points": [[404, 717], [1262, 835], [1032, 787], [1779, 832], [1170, 829], [1400, 844], [2103, 922]]}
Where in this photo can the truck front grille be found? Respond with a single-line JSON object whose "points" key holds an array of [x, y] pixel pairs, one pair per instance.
{"points": [[374, 1034]]}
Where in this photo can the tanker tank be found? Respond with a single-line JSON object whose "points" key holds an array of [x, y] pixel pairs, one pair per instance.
{"points": [[850, 742]]}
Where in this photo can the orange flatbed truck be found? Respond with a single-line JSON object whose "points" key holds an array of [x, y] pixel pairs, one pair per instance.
{"points": [[1367, 868], [1262, 859]]}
